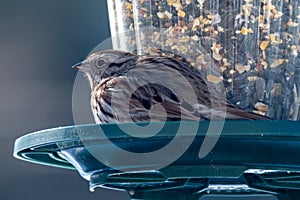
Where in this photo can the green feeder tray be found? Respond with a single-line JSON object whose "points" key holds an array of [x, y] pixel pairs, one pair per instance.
{"points": [[246, 160]]}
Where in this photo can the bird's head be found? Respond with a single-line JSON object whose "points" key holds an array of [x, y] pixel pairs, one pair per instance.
{"points": [[97, 63]]}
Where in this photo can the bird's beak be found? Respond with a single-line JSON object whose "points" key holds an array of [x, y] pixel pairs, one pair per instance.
{"points": [[78, 65]]}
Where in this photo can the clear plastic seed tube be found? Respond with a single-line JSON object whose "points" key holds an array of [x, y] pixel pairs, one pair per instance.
{"points": [[250, 47]]}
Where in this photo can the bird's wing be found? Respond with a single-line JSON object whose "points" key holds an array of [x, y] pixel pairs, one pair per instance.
{"points": [[211, 103]]}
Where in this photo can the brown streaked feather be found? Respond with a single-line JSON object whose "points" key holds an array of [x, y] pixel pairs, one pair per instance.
{"points": [[142, 102]]}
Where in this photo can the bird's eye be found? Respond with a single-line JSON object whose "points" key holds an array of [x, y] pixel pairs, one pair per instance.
{"points": [[100, 62]]}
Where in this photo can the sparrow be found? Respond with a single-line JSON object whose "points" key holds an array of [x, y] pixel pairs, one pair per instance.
{"points": [[126, 87]]}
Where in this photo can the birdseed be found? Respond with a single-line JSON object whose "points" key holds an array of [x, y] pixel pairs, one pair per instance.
{"points": [[251, 47]]}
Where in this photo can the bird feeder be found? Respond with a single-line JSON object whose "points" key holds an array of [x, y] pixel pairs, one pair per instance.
{"points": [[248, 49], [260, 163]]}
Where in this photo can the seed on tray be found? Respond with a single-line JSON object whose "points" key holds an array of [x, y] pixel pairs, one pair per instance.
{"points": [[261, 107]]}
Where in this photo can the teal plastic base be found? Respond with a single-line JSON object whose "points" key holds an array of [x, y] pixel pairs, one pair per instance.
{"points": [[259, 159]]}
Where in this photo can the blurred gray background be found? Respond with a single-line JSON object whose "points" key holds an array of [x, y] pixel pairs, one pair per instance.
{"points": [[40, 41]]}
